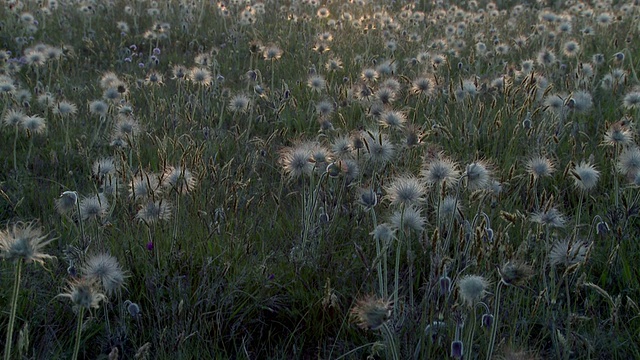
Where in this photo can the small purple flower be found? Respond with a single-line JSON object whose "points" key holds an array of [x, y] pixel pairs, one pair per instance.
{"points": [[153, 58], [271, 277], [602, 228], [133, 47], [457, 349], [150, 246], [127, 59], [140, 65], [487, 321], [35, 22], [445, 285], [156, 51], [123, 33]]}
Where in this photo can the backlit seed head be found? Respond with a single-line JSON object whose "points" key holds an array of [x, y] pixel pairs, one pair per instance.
{"points": [[371, 313]]}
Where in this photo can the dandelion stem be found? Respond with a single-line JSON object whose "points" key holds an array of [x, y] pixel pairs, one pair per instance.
{"points": [[391, 341], [467, 354], [82, 240], [494, 327], [381, 275], [15, 147], [567, 349], [12, 315], [455, 206], [76, 348], [578, 213], [396, 284], [29, 151], [175, 220]]}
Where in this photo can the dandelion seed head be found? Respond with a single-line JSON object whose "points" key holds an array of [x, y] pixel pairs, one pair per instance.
{"points": [[104, 167], [571, 48], [369, 75], [539, 167], [384, 233], [585, 176], [24, 242], [296, 161], [449, 207], [546, 58], [179, 179], [93, 208], [555, 103], [629, 161], [200, 76], [65, 108], [67, 202], [385, 95], [144, 186], [392, 119], [409, 218], [515, 273], [341, 147], [83, 293], [405, 191], [422, 86], [34, 124], [239, 103], [581, 101], [106, 270], [316, 83], [550, 217], [440, 170], [566, 252], [477, 176], [13, 117], [271, 52], [324, 108], [371, 313], [632, 100], [153, 212], [472, 288], [98, 107], [381, 150]]}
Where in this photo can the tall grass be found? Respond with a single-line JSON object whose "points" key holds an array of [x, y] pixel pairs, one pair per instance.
{"points": [[245, 231]]}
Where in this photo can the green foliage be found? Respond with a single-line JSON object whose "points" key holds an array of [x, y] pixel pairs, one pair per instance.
{"points": [[245, 253]]}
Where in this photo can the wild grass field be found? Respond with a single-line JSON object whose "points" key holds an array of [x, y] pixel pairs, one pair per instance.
{"points": [[309, 179]]}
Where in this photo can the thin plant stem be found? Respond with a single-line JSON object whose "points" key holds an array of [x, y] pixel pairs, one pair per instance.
{"points": [[175, 220], [396, 284], [567, 351], [397, 277], [391, 341], [29, 151], [450, 227], [616, 181], [494, 327], [81, 222], [578, 213], [76, 348], [354, 350], [467, 354], [381, 275], [12, 316], [15, 147]]}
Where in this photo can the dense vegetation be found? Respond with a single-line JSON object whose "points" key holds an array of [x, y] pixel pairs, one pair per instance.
{"points": [[308, 179]]}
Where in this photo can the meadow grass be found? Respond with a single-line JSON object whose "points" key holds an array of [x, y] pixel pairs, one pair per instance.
{"points": [[309, 179]]}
